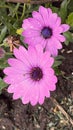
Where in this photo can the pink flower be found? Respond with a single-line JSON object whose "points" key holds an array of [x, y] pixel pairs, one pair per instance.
{"points": [[30, 75], [44, 28]]}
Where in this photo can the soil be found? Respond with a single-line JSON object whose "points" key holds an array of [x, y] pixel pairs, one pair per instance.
{"points": [[16, 116]]}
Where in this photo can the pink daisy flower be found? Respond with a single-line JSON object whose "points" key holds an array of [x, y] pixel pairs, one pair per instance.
{"points": [[44, 28], [30, 76]]}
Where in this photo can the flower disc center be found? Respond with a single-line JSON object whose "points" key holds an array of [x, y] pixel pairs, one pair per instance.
{"points": [[36, 73], [46, 32]]}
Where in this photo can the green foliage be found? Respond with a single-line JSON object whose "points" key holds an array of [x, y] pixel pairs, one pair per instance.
{"points": [[58, 61], [11, 16], [70, 19], [64, 10], [70, 6], [3, 61], [2, 85], [69, 37], [3, 33]]}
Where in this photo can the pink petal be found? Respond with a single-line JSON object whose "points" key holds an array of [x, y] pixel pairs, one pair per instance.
{"points": [[30, 33], [35, 54], [49, 60], [57, 30], [32, 55], [25, 97], [23, 50], [11, 89], [56, 42], [17, 94], [58, 22], [49, 72], [52, 20], [25, 100], [22, 57], [52, 49], [44, 12], [27, 91], [33, 40], [38, 16], [12, 71], [61, 38], [29, 40], [34, 97], [50, 77], [14, 87], [16, 78], [26, 24], [43, 42], [39, 48], [41, 96], [16, 63], [35, 23], [65, 27], [21, 89], [51, 87], [43, 92], [46, 90], [50, 82], [49, 11]]}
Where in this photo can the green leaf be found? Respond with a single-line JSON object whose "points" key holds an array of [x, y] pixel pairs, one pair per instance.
{"points": [[70, 19], [60, 57], [69, 38], [57, 63], [2, 85], [3, 61], [63, 10], [57, 71], [3, 33], [70, 5]]}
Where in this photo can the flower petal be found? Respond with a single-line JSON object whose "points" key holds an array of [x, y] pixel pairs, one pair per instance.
{"points": [[65, 27], [30, 33], [61, 38], [35, 23], [44, 13], [52, 20], [38, 16], [11, 79], [26, 24], [34, 97], [58, 22], [52, 49], [12, 71], [22, 56], [16, 63]]}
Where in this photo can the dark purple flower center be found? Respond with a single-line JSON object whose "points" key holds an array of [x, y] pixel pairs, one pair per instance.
{"points": [[46, 32], [36, 73]]}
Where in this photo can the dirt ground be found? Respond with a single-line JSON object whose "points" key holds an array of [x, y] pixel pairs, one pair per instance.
{"points": [[16, 116]]}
